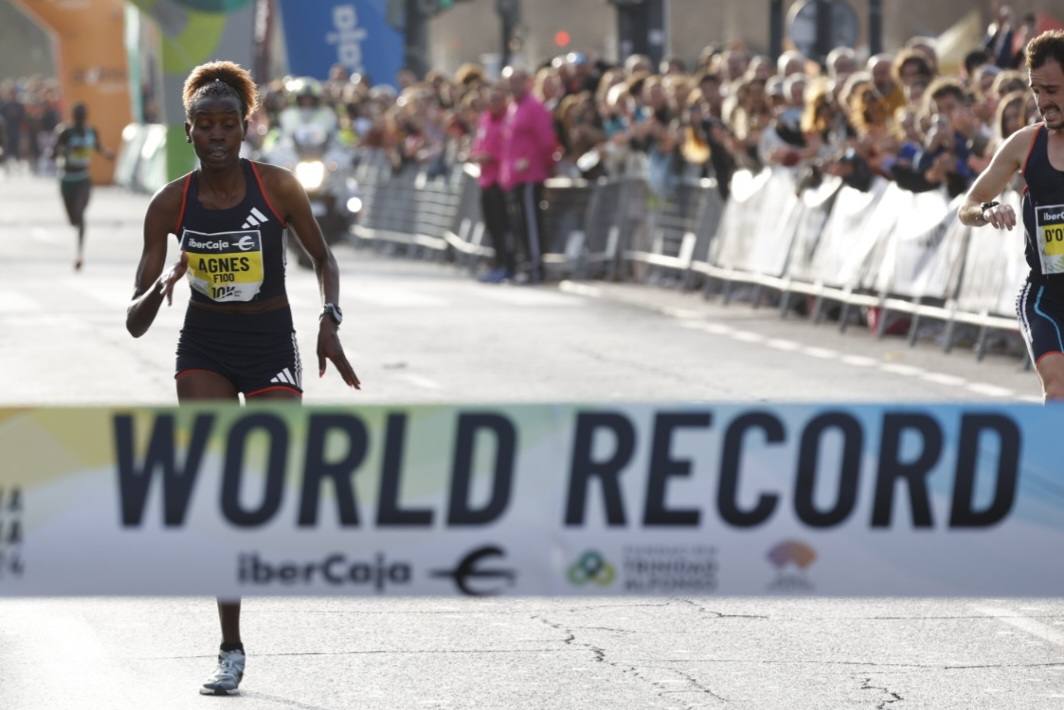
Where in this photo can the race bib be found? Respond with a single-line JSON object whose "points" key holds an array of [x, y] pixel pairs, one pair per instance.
{"points": [[225, 266], [1049, 220]]}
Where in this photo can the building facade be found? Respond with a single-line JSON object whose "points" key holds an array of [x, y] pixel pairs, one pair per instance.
{"points": [[471, 30]]}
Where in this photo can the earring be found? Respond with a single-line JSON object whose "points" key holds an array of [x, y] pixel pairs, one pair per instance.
{"points": [[188, 139]]}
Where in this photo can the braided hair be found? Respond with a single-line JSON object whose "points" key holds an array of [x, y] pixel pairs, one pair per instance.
{"points": [[219, 80]]}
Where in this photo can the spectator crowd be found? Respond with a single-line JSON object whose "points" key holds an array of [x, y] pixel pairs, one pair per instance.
{"points": [[29, 114], [897, 115]]}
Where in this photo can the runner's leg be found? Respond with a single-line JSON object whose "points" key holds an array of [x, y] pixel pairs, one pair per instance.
{"points": [[1050, 369], [208, 386], [229, 609], [204, 385], [81, 202]]}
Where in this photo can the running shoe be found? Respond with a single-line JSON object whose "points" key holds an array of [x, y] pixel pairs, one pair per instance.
{"points": [[227, 675], [495, 276]]}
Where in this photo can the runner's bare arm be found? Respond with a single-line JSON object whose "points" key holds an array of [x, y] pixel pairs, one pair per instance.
{"points": [[152, 285], [60, 141], [1007, 161], [292, 202], [109, 154]]}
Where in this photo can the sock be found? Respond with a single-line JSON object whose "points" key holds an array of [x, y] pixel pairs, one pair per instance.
{"points": [[233, 647]]}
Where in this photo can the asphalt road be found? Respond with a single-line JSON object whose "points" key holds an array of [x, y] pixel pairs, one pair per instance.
{"points": [[422, 332]]}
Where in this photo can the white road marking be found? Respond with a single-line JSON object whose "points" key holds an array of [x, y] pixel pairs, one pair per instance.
{"points": [[899, 369], [747, 336], [686, 316], [1035, 628], [681, 313], [859, 361], [523, 296], [822, 353], [941, 378], [691, 325], [579, 289], [718, 328], [995, 391], [395, 297], [420, 381], [782, 344], [44, 235]]}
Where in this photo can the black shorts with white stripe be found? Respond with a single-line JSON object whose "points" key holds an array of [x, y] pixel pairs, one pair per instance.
{"points": [[254, 362], [1041, 313]]}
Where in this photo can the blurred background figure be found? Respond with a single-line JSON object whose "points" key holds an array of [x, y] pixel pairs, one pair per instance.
{"points": [[488, 153], [74, 146]]}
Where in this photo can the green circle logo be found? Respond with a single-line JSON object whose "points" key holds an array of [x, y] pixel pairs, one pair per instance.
{"points": [[591, 567]]}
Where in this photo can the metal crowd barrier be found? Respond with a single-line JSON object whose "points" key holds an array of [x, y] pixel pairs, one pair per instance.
{"points": [[141, 162], [885, 248]]}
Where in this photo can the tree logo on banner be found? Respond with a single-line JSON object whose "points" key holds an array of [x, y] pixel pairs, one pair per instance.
{"points": [[592, 567], [791, 558]]}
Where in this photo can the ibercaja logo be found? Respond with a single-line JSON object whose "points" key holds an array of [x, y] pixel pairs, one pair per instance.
{"points": [[791, 558], [591, 568]]}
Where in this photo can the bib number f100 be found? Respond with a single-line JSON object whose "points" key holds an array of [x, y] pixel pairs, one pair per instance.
{"points": [[224, 266]]}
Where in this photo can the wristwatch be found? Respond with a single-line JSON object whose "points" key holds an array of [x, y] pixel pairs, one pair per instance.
{"points": [[332, 311], [986, 206]]}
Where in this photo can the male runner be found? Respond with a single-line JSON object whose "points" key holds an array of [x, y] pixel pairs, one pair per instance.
{"points": [[1037, 152]]}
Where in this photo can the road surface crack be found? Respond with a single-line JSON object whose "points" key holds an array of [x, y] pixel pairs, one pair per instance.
{"points": [[663, 691], [720, 614], [894, 697]]}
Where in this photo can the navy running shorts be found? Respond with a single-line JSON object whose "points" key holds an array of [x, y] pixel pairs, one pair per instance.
{"points": [[254, 362], [1041, 314]]}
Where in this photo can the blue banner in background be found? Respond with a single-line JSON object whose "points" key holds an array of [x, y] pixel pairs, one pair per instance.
{"points": [[354, 33]]}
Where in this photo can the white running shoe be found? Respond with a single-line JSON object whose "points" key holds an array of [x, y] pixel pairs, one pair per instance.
{"points": [[227, 676]]}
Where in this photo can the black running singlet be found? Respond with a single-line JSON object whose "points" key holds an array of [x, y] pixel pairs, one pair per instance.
{"points": [[1043, 215], [235, 256]]}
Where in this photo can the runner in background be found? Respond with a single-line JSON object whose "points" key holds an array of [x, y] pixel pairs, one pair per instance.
{"points": [[229, 216], [1037, 153], [74, 146]]}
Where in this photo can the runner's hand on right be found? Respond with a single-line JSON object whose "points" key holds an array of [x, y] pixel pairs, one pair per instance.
{"points": [[1000, 216], [171, 277]]}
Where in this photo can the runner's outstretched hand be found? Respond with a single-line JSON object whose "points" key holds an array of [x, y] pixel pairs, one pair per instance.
{"points": [[329, 348], [171, 277]]}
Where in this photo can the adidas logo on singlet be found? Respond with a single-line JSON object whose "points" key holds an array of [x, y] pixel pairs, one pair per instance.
{"points": [[284, 377], [254, 219]]}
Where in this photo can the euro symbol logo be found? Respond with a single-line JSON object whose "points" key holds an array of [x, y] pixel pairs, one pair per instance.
{"points": [[246, 243], [468, 572]]}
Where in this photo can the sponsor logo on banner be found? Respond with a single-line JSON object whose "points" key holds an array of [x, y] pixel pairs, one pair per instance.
{"points": [[334, 570], [11, 561], [591, 568], [670, 569], [348, 37], [473, 578], [791, 558]]}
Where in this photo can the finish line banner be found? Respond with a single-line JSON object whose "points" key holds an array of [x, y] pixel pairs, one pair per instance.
{"points": [[730, 499]]}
